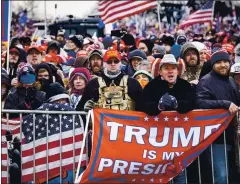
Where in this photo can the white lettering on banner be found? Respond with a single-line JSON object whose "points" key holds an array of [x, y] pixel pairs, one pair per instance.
{"points": [[124, 167], [171, 155], [104, 162], [114, 130], [154, 134], [120, 165], [180, 136], [209, 130], [148, 169], [130, 131], [179, 133], [133, 169]]}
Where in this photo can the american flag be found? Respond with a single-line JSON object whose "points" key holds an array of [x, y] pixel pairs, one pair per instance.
{"points": [[204, 14], [14, 126], [111, 11], [61, 148]]}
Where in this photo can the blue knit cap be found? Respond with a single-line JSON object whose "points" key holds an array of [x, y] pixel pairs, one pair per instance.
{"points": [[219, 55]]}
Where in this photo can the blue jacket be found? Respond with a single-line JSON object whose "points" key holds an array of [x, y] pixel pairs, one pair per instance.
{"points": [[215, 91]]}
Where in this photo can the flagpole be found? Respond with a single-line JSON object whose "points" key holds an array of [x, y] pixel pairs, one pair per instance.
{"points": [[45, 15], [9, 28], [213, 10], [159, 18]]}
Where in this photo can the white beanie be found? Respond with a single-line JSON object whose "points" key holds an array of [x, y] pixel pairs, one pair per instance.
{"points": [[168, 59]]}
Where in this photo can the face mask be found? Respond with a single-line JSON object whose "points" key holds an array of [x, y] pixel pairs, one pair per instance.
{"points": [[143, 83], [44, 83]]}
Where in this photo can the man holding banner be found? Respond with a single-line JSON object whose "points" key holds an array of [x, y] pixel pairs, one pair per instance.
{"points": [[168, 92], [214, 91]]}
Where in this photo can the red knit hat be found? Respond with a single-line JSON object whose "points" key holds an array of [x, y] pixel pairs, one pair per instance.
{"points": [[83, 72]]}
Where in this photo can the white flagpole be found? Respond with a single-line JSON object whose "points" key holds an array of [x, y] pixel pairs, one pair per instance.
{"points": [[159, 18], [9, 30], [45, 15]]}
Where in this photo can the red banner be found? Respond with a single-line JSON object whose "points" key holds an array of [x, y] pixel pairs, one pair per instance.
{"points": [[132, 147]]}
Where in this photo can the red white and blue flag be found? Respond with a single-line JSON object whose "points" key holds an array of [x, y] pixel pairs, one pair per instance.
{"points": [[111, 11], [204, 14]]}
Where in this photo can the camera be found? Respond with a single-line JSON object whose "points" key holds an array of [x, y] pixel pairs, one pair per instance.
{"points": [[118, 33]]}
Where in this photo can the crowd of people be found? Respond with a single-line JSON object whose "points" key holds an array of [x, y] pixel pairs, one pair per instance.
{"points": [[171, 72]]}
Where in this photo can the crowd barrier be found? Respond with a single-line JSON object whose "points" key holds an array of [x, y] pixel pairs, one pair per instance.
{"points": [[11, 143]]}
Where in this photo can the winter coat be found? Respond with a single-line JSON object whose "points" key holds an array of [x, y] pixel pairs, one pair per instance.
{"points": [[215, 91], [16, 100], [91, 91], [155, 89]]}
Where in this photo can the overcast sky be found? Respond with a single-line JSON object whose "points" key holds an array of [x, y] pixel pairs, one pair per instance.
{"points": [[77, 8]]}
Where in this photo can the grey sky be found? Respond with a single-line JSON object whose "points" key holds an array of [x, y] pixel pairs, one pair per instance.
{"points": [[77, 8]]}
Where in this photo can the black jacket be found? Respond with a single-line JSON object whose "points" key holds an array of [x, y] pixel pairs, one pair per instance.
{"points": [[91, 91], [16, 100], [215, 91], [155, 89]]}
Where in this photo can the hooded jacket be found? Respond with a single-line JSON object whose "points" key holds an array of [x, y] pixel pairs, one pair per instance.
{"points": [[191, 73]]}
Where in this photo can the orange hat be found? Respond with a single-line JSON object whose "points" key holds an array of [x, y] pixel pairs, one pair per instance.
{"points": [[111, 54], [229, 48], [38, 48], [52, 58], [82, 53]]}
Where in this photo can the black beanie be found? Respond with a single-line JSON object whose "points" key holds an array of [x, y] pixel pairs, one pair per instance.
{"points": [[55, 92], [149, 45], [46, 67], [219, 55], [77, 40]]}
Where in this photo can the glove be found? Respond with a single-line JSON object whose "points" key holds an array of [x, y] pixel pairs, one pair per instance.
{"points": [[89, 105], [167, 102], [174, 102], [31, 94]]}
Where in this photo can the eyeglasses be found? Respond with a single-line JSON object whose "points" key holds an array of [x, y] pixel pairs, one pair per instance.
{"points": [[113, 61]]}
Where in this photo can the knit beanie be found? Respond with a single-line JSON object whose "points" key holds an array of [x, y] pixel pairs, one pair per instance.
{"points": [[160, 49], [137, 54], [26, 74], [56, 92], [219, 55], [150, 77], [83, 72], [77, 40]]}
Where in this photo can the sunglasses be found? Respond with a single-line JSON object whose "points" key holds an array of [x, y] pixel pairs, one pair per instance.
{"points": [[113, 61]]}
